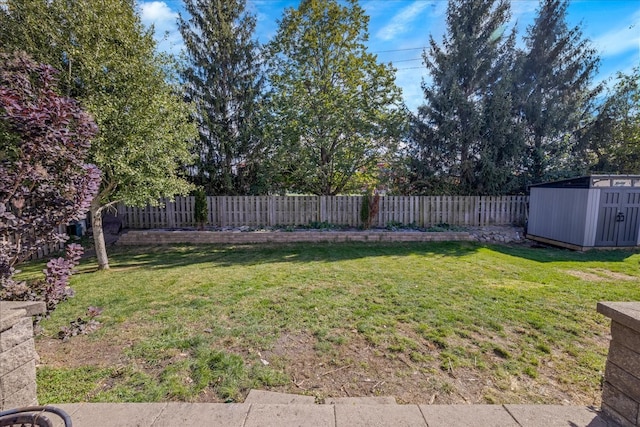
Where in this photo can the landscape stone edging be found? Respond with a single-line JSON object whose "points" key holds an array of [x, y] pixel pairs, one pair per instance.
{"points": [[149, 237], [17, 353], [621, 387]]}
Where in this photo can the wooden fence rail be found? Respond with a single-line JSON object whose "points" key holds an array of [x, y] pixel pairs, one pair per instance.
{"points": [[52, 249], [269, 211]]}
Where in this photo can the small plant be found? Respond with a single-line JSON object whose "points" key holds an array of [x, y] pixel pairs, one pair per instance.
{"points": [[82, 325], [364, 210], [393, 225], [369, 209], [323, 225], [443, 226], [54, 288], [201, 212]]}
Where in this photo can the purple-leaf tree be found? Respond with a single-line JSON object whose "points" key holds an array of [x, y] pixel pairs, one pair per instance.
{"points": [[44, 180]]}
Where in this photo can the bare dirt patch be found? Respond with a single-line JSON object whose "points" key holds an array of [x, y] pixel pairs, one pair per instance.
{"points": [[614, 275], [585, 275], [77, 352], [354, 367], [357, 368], [599, 275]]}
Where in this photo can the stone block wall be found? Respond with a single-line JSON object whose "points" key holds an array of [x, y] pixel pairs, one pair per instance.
{"points": [[621, 388], [17, 354], [160, 237]]}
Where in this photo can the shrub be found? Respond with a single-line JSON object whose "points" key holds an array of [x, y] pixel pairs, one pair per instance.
{"points": [[44, 180], [369, 208], [201, 212]]}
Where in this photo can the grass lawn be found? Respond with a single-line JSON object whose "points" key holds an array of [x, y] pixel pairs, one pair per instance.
{"points": [[449, 322]]}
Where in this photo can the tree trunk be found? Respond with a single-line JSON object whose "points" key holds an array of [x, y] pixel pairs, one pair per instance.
{"points": [[98, 236]]}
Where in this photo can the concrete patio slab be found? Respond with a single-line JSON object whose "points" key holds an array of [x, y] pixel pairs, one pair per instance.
{"points": [[467, 415], [213, 414], [344, 414], [261, 415], [261, 396], [379, 416], [117, 415], [69, 408], [556, 416], [374, 400]]}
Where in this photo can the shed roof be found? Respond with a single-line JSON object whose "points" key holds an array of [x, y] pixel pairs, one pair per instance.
{"points": [[593, 181]]}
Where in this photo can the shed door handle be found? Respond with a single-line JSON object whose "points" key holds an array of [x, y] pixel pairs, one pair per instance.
{"points": [[620, 217]]}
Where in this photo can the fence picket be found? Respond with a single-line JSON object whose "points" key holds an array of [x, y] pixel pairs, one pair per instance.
{"points": [[260, 211]]}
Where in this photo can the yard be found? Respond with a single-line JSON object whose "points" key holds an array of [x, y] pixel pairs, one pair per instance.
{"points": [[454, 322]]}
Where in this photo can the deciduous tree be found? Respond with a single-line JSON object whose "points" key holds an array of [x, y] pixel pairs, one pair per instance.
{"points": [[334, 111], [109, 63]]}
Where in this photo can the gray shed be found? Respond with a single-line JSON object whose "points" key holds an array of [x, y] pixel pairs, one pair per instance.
{"points": [[585, 212]]}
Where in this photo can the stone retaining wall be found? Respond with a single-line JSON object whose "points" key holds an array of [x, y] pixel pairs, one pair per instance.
{"points": [[17, 354], [155, 237], [621, 388]]}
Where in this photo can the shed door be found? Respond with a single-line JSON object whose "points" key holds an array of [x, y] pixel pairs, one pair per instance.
{"points": [[618, 218]]}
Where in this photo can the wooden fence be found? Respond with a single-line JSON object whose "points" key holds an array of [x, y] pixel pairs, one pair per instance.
{"points": [[52, 249], [261, 211]]}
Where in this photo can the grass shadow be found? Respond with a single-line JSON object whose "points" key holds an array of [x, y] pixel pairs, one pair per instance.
{"points": [[233, 255], [551, 254]]}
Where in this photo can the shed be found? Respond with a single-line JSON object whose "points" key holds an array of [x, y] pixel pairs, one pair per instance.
{"points": [[585, 212]]}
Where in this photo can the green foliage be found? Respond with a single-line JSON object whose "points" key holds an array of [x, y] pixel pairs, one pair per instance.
{"points": [[465, 137], [200, 209], [443, 226], [497, 118], [223, 71], [364, 209], [369, 208], [333, 110], [69, 385], [613, 138], [228, 374], [323, 225], [554, 90], [107, 61]]}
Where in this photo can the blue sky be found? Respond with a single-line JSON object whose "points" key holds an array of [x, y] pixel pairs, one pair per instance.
{"points": [[399, 29]]}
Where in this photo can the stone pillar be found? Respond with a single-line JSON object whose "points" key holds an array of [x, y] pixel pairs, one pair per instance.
{"points": [[621, 388], [18, 354]]}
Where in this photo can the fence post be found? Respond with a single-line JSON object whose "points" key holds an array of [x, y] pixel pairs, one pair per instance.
{"points": [[170, 217], [271, 209], [322, 209]]}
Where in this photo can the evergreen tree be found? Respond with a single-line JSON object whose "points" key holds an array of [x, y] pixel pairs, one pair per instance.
{"points": [[334, 111], [553, 90], [223, 80], [501, 141], [462, 135], [612, 140]]}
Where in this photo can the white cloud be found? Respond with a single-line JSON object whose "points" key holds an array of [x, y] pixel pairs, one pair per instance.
{"points": [[164, 21], [157, 12], [400, 23], [620, 40]]}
